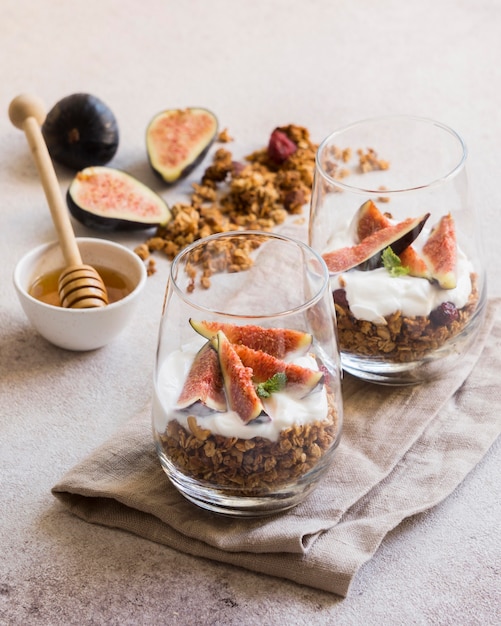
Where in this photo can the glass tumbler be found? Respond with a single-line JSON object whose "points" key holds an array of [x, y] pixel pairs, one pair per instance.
{"points": [[391, 215], [247, 408]]}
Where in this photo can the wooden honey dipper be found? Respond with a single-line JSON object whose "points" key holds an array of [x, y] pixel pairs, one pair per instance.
{"points": [[80, 286]]}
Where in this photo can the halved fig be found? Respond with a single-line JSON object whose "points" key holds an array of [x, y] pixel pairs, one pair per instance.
{"points": [[440, 252], [108, 199], [204, 382], [275, 341], [299, 380], [241, 394], [366, 255], [178, 139]]}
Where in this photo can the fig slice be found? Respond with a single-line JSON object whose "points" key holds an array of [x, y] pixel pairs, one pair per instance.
{"points": [[241, 394], [178, 139], [416, 265], [278, 342], [370, 220], [204, 382], [366, 255], [299, 380], [108, 199], [440, 252]]}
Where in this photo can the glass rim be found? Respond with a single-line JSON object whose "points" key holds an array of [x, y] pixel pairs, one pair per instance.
{"points": [[322, 267], [384, 118]]}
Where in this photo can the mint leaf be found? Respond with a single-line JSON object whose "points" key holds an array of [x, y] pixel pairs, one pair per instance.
{"points": [[276, 383], [392, 263]]}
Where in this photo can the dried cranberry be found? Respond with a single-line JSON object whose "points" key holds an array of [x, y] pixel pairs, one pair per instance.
{"points": [[280, 147], [339, 296], [444, 314]]}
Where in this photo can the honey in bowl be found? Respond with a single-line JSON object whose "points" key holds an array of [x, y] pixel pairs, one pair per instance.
{"points": [[45, 287]]}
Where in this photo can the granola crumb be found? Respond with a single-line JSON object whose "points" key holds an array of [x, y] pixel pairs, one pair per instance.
{"points": [[383, 199], [368, 160], [142, 251], [224, 136]]}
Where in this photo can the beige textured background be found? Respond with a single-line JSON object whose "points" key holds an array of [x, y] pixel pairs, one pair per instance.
{"points": [[322, 64]]}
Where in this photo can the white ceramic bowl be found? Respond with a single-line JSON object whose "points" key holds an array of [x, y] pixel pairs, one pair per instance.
{"points": [[80, 329]]}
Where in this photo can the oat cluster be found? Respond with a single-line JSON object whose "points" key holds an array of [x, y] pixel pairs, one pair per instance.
{"points": [[369, 160], [228, 254], [339, 162]]}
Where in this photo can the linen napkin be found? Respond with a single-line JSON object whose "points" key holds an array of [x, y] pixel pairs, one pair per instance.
{"points": [[402, 451]]}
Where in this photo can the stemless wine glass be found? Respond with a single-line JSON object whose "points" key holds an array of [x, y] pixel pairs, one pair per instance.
{"points": [[247, 408], [392, 217]]}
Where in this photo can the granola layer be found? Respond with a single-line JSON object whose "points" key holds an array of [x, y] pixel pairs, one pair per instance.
{"points": [[252, 466]]}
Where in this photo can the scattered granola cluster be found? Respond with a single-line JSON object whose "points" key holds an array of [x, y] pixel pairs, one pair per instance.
{"points": [[256, 194], [338, 162], [228, 255], [369, 160]]}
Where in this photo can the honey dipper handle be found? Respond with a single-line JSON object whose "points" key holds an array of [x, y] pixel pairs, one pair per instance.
{"points": [[27, 113]]}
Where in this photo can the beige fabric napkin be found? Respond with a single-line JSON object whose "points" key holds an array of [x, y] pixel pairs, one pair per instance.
{"points": [[402, 451]]}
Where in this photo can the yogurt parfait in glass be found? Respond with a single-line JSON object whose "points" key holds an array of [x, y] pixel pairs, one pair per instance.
{"points": [[392, 217], [247, 406]]}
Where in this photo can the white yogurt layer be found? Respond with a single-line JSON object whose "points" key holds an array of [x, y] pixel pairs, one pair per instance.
{"points": [[284, 409], [374, 294]]}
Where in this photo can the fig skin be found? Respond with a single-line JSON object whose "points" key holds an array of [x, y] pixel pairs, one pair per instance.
{"points": [[184, 147], [81, 130], [124, 185]]}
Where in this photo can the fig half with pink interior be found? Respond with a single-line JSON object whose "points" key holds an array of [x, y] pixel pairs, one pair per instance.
{"points": [[178, 139], [108, 199]]}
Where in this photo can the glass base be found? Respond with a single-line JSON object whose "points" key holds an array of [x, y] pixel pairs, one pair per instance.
{"points": [[437, 364], [384, 373], [228, 502]]}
